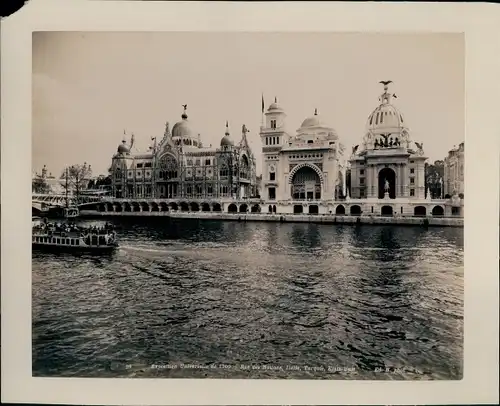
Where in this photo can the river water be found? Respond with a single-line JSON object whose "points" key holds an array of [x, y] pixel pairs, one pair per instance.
{"points": [[188, 298]]}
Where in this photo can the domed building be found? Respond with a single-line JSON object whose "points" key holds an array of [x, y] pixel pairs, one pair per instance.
{"points": [[388, 166], [180, 166], [304, 172]]}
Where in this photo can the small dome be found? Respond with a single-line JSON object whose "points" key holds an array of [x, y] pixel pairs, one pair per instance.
{"points": [[313, 121], [275, 107], [122, 148], [226, 141]]}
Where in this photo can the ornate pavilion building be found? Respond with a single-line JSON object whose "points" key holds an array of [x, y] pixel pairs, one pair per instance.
{"points": [[454, 171], [302, 173], [388, 169], [181, 167]]}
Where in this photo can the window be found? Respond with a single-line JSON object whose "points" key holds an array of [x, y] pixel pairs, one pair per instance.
{"points": [[207, 162], [362, 172], [147, 165], [412, 181], [272, 193], [273, 124], [412, 162], [412, 170], [189, 162], [362, 181], [197, 163], [412, 192], [362, 193], [139, 165], [310, 141], [272, 176]]}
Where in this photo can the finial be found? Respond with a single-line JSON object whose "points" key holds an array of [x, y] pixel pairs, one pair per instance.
{"points": [[275, 99], [315, 112], [227, 128], [184, 114]]}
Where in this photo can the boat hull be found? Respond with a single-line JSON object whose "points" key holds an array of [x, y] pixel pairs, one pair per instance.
{"points": [[72, 248]]}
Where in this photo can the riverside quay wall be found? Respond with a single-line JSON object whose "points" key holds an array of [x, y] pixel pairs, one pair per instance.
{"points": [[396, 219]]}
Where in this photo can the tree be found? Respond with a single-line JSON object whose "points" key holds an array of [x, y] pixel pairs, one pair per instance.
{"points": [[434, 173], [39, 185], [76, 178]]}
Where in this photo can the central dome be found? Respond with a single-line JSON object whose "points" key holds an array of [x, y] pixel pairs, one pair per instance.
{"points": [[183, 128], [385, 119], [122, 148]]}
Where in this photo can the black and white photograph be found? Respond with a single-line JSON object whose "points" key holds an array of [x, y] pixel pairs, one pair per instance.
{"points": [[253, 205], [245, 203]]}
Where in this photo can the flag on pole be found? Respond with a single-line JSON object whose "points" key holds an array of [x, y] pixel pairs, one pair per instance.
{"points": [[262, 102]]}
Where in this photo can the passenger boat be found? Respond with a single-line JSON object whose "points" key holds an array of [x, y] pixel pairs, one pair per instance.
{"points": [[68, 237]]}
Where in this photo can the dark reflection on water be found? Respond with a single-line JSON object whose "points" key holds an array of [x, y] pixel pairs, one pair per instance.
{"points": [[269, 295]]}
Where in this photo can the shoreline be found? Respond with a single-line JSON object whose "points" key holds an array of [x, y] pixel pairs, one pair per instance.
{"points": [[289, 218]]}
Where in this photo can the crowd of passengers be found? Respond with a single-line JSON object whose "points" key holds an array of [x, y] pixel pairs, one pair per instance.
{"points": [[72, 227]]}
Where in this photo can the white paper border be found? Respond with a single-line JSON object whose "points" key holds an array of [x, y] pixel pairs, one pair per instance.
{"points": [[480, 22]]}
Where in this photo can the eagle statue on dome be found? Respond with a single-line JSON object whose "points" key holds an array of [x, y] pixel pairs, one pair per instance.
{"points": [[354, 149]]}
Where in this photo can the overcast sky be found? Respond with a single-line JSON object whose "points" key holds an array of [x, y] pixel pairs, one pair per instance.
{"points": [[89, 87]]}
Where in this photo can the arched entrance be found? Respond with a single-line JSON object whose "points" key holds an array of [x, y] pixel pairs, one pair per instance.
{"points": [[420, 211], [205, 207], [184, 206], [232, 208], [340, 210], [313, 209], [270, 209], [387, 174], [298, 209], [243, 208], [217, 207], [305, 184], [386, 211], [194, 206], [355, 210], [437, 211]]}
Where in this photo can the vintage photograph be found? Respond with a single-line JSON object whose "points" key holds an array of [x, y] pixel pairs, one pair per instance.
{"points": [[248, 205]]}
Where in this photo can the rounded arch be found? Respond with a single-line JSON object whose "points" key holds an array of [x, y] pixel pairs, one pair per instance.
{"points": [[154, 206], [270, 209], [232, 208], [168, 167], [386, 211], [127, 207], [387, 175], [184, 206], [340, 210], [243, 208], [306, 182], [194, 206], [355, 210], [255, 208], [420, 211], [205, 207], [118, 207], [217, 207], [298, 167], [144, 206], [244, 167], [438, 211], [173, 206]]}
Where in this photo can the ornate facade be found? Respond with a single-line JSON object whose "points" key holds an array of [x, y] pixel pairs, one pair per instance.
{"points": [[454, 171], [301, 170], [388, 165], [180, 166]]}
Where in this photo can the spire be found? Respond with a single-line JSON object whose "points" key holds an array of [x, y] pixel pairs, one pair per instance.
{"points": [[227, 128], [275, 99], [315, 112]]}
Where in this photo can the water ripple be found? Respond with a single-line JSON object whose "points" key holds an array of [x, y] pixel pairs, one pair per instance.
{"points": [[265, 295]]}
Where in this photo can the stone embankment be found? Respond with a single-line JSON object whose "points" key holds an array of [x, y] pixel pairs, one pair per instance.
{"points": [[291, 218]]}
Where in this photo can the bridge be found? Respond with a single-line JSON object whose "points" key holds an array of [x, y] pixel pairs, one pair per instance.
{"points": [[40, 200]]}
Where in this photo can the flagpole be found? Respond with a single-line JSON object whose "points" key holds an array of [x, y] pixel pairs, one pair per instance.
{"points": [[262, 115]]}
